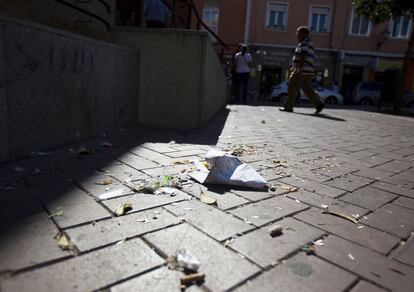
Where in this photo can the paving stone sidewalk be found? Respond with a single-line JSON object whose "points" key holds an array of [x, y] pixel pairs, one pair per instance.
{"points": [[356, 163]]}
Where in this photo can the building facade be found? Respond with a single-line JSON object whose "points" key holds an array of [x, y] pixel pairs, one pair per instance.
{"points": [[349, 48]]}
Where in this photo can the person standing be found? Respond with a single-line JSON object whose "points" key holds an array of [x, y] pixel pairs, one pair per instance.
{"points": [[242, 60], [302, 72], [156, 14]]}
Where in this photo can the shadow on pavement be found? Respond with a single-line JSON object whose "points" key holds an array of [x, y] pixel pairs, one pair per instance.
{"points": [[321, 116], [33, 190]]}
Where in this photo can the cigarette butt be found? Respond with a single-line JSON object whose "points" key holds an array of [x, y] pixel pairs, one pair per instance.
{"points": [[276, 230], [192, 277]]}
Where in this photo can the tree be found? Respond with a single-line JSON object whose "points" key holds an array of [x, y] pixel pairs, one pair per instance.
{"points": [[382, 10]]}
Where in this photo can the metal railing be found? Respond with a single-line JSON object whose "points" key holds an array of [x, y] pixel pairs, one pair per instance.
{"points": [[200, 23], [90, 14]]}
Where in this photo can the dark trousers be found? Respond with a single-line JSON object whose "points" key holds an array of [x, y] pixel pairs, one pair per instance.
{"points": [[155, 24], [242, 85]]}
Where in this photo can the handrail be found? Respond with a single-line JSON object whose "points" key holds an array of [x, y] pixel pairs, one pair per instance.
{"points": [[173, 10], [206, 26], [108, 8], [200, 21], [108, 27]]}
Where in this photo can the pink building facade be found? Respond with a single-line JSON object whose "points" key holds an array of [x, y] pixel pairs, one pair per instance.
{"points": [[349, 48]]}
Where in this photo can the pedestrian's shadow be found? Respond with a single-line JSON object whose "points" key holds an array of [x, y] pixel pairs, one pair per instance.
{"points": [[322, 116]]}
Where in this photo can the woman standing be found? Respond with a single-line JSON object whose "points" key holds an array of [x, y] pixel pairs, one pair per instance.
{"points": [[242, 60]]}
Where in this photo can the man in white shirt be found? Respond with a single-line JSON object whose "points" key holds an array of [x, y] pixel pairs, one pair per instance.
{"points": [[242, 61]]}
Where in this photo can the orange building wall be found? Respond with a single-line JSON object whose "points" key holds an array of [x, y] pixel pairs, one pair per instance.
{"points": [[232, 21]]}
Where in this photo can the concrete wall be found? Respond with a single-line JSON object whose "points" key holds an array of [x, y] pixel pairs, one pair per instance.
{"points": [[55, 14], [215, 94], [56, 87], [174, 91]]}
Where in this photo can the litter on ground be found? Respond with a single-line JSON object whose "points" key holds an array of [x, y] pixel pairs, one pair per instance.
{"points": [[227, 170]]}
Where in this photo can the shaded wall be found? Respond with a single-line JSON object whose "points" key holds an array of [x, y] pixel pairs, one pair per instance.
{"points": [[174, 91], [56, 87]]}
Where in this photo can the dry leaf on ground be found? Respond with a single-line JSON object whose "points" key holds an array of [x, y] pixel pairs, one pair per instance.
{"points": [[349, 218], [206, 199], [123, 209]]}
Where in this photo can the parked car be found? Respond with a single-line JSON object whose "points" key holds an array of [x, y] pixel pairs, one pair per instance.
{"points": [[279, 92], [329, 96], [367, 93], [408, 100]]}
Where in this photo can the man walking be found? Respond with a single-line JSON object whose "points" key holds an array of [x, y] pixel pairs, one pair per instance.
{"points": [[302, 73]]}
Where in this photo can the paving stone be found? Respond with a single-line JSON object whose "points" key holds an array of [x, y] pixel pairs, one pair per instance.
{"points": [[265, 250], [23, 206], [405, 202], [369, 198], [167, 170], [367, 263], [313, 187], [266, 211], [209, 219], [255, 195], [364, 153], [159, 147], [123, 172], [301, 273], [333, 204], [372, 173], [149, 154], [349, 182], [374, 161], [72, 165], [92, 183], [406, 175], [366, 236], [160, 280], [400, 181], [272, 174], [223, 268], [392, 219], [310, 175], [405, 253], [88, 272], [28, 241], [77, 206], [333, 172], [225, 199], [137, 162], [184, 153], [395, 166], [353, 148], [192, 146], [364, 286], [142, 202], [115, 229], [394, 189]]}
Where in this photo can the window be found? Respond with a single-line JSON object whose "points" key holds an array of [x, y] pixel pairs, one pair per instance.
{"points": [[400, 26], [210, 17], [277, 15], [319, 18], [359, 25]]}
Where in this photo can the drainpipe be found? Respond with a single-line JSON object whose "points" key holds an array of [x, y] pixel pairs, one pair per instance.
{"points": [[247, 22]]}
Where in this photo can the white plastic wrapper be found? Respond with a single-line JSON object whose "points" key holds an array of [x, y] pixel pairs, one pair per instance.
{"points": [[227, 169], [187, 260]]}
